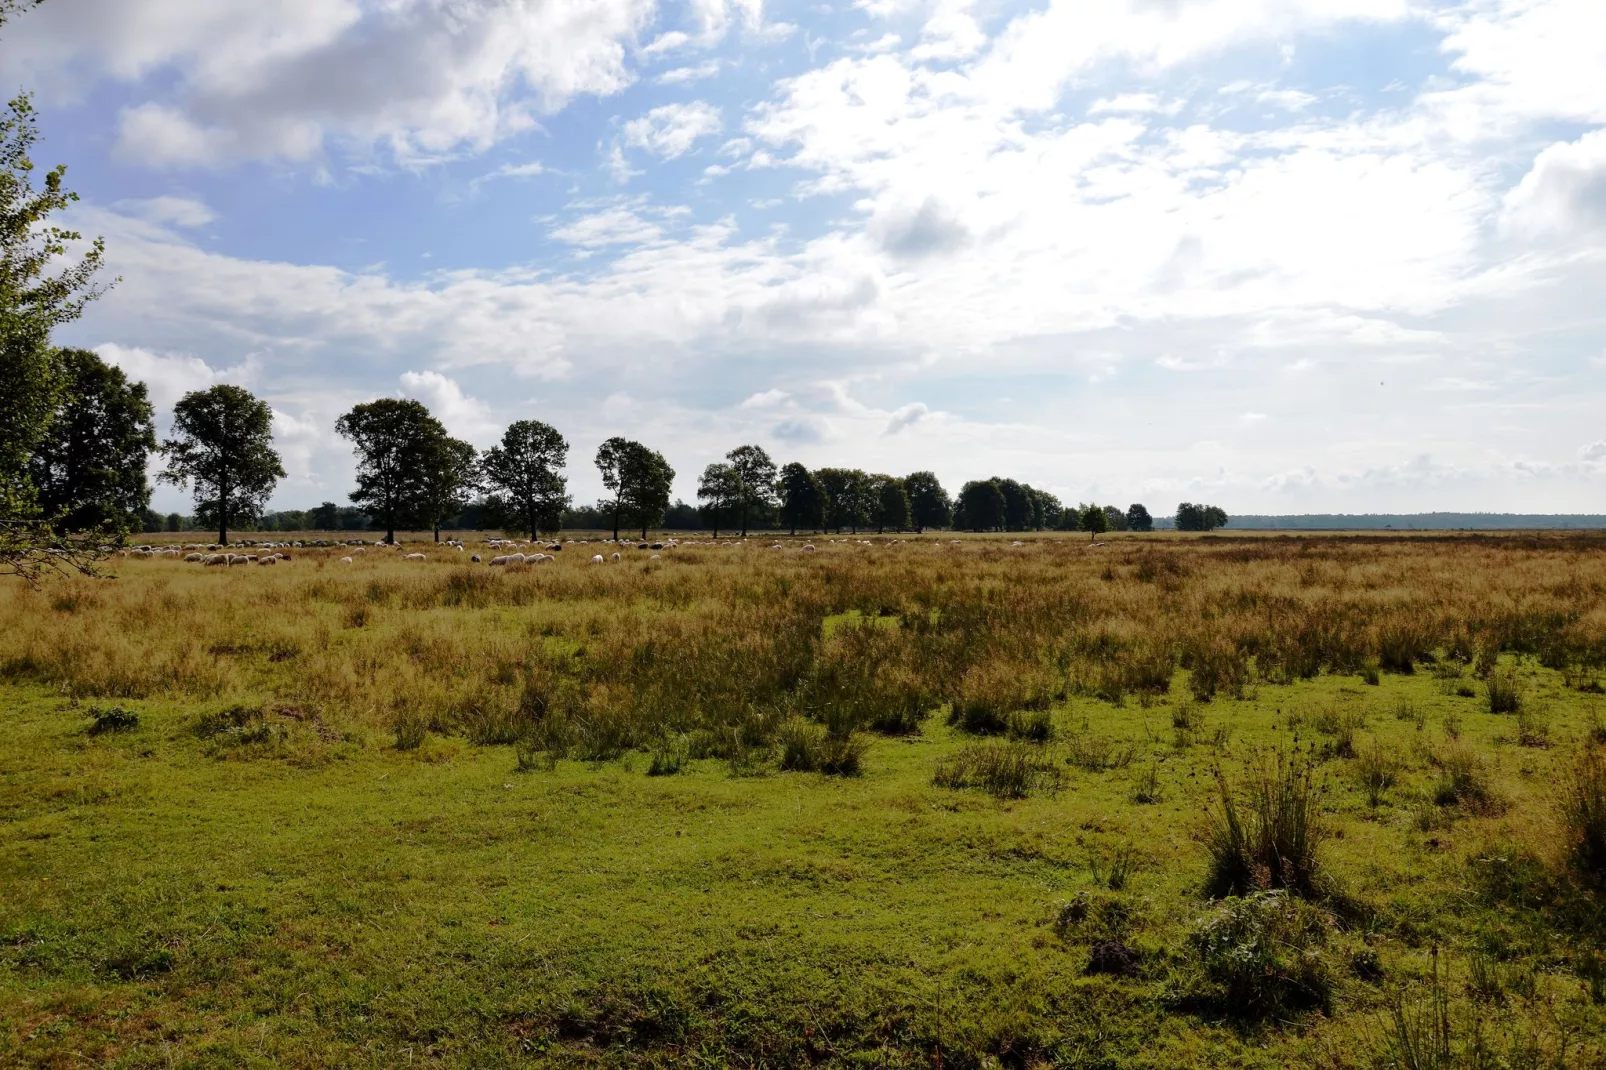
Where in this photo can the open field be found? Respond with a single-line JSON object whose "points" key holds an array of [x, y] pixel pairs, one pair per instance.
{"points": [[892, 802]]}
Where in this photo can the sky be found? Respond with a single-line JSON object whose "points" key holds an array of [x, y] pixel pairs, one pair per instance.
{"points": [[1280, 255]]}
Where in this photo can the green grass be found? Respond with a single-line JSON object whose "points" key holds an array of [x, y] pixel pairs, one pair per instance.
{"points": [[189, 891]]}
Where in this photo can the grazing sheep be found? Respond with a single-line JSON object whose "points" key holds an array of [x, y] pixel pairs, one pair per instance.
{"points": [[268, 560], [502, 560], [616, 556], [192, 557], [515, 559], [414, 557], [808, 547], [656, 557], [475, 559], [345, 560], [596, 559], [216, 559]]}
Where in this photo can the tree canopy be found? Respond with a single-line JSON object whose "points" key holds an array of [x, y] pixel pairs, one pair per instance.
{"points": [[223, 443], [802, 498], [525, 475], [639, 479], [755, 474], [980, 506], [89, 469], [1191, 517], [720, 486], [929, 504], [392, 438]]}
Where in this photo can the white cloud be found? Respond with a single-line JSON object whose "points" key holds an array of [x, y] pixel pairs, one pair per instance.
{"points": [[766, 399], [907, 416], [1124, 103], [1565, 192], [170, 211], [611, 226], [464, 417], [1594, 452], [286, 78], [169, 376], [683, 75], [671, 129]]}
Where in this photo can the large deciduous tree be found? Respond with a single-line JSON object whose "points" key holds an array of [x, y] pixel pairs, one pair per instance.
{"points": [[451, 475], [929, 504], [891, 503], [639, 480], [1094, 520], [802, 498], [41, 288], [1191, 517], [89, 470], [525, 473], [393, 438], [223, 443], [980, 506], [850, 501], [1017, 504], [1138, 518], [756, 473], [721, 488]]}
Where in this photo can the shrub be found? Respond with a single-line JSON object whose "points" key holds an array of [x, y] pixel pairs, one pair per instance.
{"points": [[242, 725], [1263, 955], [1504, 694], [1005, 770], [1583, 812], [111, 719], [409, 732], [1096, 916], [1268, 838]]}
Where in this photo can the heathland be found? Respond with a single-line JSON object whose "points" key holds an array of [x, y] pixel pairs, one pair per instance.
{"points": [[916, 801]]}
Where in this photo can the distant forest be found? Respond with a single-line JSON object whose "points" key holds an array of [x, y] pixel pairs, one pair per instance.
{"points": [[1412, 522]]}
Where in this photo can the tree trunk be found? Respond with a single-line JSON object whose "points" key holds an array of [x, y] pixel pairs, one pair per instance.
{"points": [[223, 515], [616, 520], [437, 532], [744, 518]]}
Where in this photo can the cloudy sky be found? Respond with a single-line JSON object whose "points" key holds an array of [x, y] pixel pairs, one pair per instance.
{"points": [[1284, 255]]}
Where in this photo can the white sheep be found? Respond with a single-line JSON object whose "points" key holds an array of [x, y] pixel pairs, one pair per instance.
{"points": [[192, 557], [269, 560], [415, 557], [596, 559], [808, 547], [345, 560], [616, 556]]}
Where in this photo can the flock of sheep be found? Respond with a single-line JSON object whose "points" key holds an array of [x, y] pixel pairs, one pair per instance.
{"points": [[273, 553]]}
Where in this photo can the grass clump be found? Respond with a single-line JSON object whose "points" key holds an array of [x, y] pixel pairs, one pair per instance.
{"points": [[1583, 813], [668, 757], [1375, 772], [1265, 835], [1464, 781], [1505, 696], [1094, 753], [1264, 955], [1003, 770], [809, 748]]}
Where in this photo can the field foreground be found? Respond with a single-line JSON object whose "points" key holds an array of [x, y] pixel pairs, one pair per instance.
{"points": [[885, 803]]}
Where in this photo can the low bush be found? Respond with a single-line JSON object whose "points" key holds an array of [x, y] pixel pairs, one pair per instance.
{"points": [[111, 719], [1097, 754], [1266, 835], [1264, 955], [1004, 770], [808, 748], [668, 756]]}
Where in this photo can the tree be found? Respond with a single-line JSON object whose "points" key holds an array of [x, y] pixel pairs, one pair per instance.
{"points": [[38, 292], [451, 475], [392, 438], [1138, 518], [1116, 518], [640, 480], [1095, 521], [756, 473], [1017, 504], [802, 498], [89, 469], [325, 517], [223, 443], [891, 503], [525, 475], [1046, 510], [929, 504], [980, 506], [837, 485], [1191, 517], [175, 522], [721, 487]]}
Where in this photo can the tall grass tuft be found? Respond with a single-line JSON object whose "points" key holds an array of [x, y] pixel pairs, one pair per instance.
{"points": [[1583, 812], [1376, 771], [1004, 770], [1504, 694], [1266, 833]]}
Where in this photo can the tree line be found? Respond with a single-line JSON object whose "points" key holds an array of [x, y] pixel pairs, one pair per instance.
{"points": [[76, 435]]}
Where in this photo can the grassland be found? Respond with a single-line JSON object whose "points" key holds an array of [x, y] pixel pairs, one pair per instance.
{"points": [[400, 813]]}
